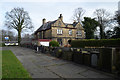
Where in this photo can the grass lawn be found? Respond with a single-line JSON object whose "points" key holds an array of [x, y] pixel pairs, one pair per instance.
{"points": [[12, 67]]}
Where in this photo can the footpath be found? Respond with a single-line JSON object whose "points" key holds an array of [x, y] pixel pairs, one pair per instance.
{"points": [[41, 65]]}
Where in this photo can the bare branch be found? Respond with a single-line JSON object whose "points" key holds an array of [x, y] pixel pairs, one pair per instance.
{"points": [[103, 17], [18, 19], [78, 14]]}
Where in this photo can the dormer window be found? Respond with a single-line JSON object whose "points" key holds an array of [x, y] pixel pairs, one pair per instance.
{"points": [[59, 31]]}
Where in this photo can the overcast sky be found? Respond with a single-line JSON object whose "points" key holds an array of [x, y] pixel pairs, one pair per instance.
{"points": [[50, 9]]}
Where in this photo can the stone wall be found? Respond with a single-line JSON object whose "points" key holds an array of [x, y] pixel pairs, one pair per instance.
{"points": [[64, 36], [80, 28], [59, 21], [47, 34], [65, 32], [106, 59]]}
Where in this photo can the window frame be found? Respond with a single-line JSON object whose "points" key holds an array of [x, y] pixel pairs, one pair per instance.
{"points": [[59, 31], [79, 33], [70, 32]]}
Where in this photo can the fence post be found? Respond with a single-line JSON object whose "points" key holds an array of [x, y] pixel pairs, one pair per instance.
{"points": [[37, 49]]}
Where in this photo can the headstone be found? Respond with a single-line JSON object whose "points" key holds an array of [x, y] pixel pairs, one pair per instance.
{"points": [[94, 60]]}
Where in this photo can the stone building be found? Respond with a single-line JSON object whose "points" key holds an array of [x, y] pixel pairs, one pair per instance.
{"points": [[59, 31]]}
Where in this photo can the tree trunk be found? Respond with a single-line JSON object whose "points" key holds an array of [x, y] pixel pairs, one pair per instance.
{"points": [[101, 32], [19, 37]]}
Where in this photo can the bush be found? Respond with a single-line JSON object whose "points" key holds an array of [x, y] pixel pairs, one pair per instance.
{"points": [[2, 44], [59, 53], [54, 44], [96, 43]]}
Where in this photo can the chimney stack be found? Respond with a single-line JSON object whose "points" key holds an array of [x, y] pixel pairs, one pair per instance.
{"points": [[74, 21], [61, 17], [44, 21]]}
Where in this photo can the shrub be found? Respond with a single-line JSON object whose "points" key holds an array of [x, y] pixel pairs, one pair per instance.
{"points": [[59, 53], [54, 44], [2, 44], [96, 43]]}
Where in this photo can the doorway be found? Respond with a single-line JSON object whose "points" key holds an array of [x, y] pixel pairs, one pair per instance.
{"points": [[59, 41]]}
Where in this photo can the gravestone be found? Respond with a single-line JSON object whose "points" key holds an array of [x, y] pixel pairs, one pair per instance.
{"points": [[94, 60]]}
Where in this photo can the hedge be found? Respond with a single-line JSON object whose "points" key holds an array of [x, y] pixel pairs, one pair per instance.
{"points": [[54, 44], [95, 43]]}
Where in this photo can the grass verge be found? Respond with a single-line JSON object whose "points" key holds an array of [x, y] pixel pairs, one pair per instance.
{"points": [[12, 67]]}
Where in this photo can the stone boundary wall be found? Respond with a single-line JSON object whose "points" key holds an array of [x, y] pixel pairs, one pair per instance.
{"points": [[105, 59]]}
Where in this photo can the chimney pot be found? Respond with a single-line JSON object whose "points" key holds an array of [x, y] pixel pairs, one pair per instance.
{"points": [[61, 17], [44, 21]]}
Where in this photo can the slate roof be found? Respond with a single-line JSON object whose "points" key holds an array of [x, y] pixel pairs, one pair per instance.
{"points": [[45, 26], [74, 24]]}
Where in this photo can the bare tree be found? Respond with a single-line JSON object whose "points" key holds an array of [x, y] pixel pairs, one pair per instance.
{"points": [[117, 17], [103, 17], [18, 19], [78, 14]]}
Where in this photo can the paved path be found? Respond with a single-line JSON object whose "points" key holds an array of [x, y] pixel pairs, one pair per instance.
{"points": [[45, 66]]}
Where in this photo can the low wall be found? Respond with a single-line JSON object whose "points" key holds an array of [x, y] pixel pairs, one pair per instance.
{"points": [[106, 59]]}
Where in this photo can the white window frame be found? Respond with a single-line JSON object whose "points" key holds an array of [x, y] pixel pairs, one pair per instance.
{"points": [[79, 33], [70, 32], [59, 31]]}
